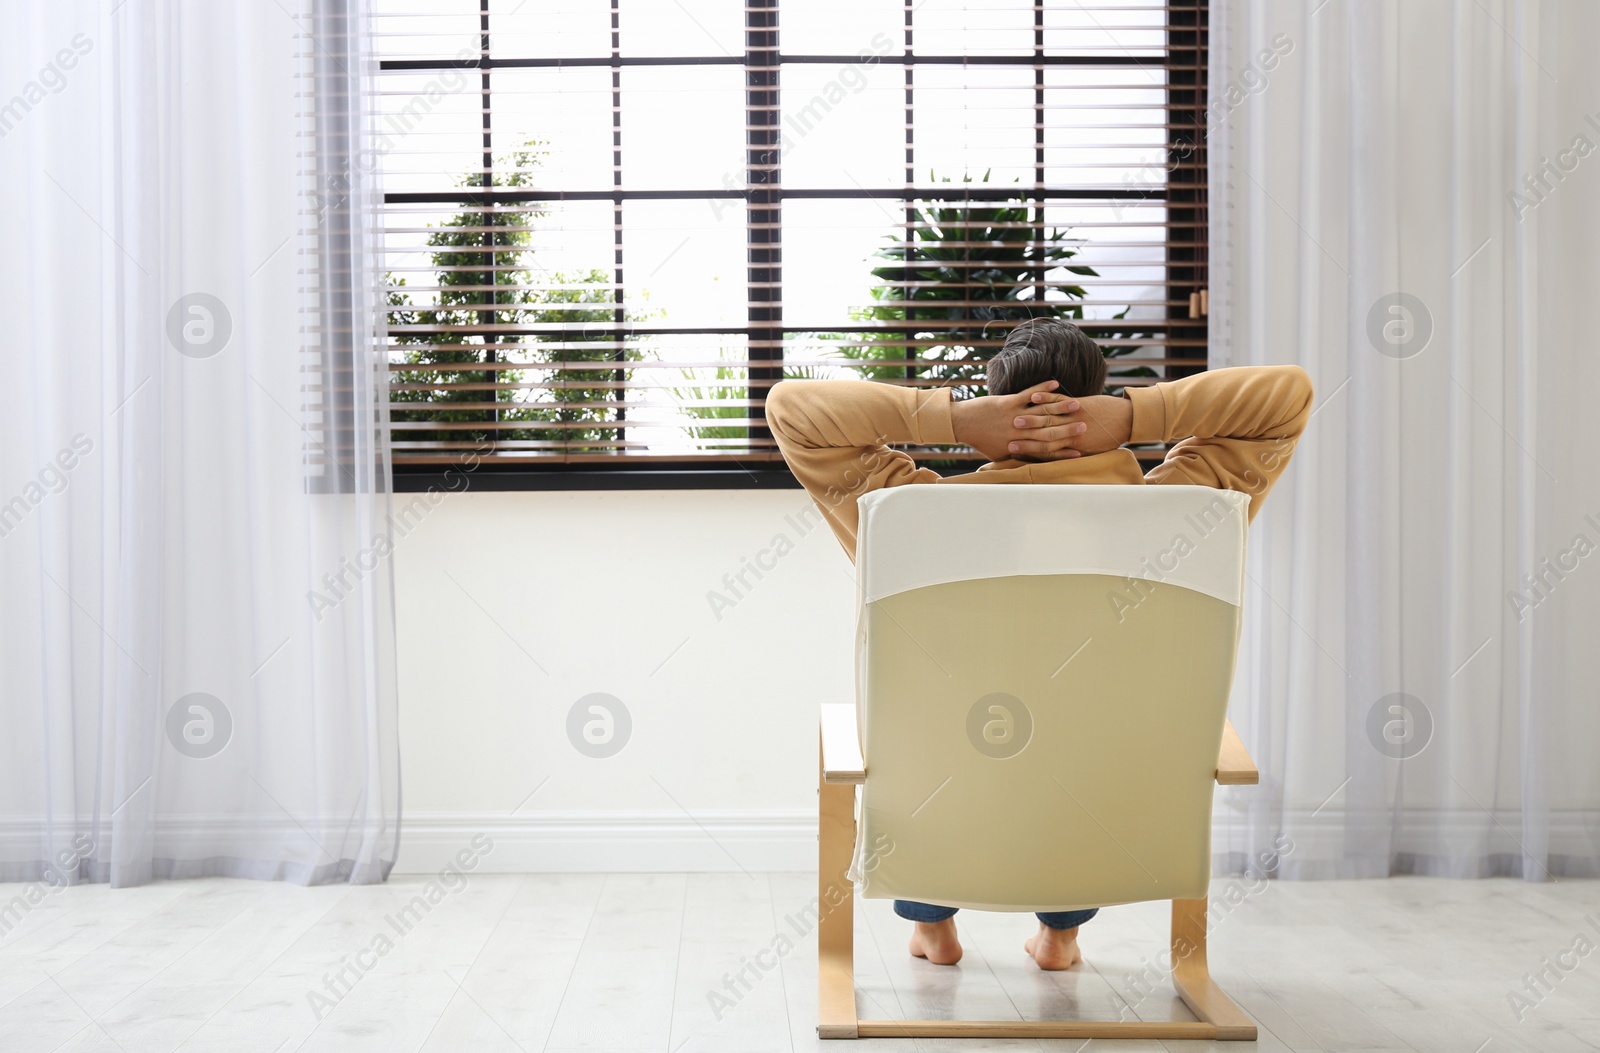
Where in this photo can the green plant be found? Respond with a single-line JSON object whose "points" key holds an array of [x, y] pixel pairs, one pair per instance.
{"points": [[962, 272], [726, 385], [485, 268]]}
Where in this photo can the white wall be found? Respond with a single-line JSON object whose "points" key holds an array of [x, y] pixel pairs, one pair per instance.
{"points": [[608, 592]]}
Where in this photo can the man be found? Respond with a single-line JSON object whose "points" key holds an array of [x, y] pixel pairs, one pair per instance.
{"points": [[1044, 421]]}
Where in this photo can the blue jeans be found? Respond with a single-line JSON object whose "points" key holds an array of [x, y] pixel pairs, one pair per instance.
{"points": [[1060, 919]]}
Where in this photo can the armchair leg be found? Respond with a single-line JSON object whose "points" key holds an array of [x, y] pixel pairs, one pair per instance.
{"points": [[836, 840], [1192, 976], [1219, 1016]]}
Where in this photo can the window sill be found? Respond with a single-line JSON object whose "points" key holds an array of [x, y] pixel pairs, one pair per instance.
{"points": [[419, 478]]}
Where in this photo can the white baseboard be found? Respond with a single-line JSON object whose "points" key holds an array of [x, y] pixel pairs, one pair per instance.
{"points": [[580, 842], [772, 840], [786, 840]]}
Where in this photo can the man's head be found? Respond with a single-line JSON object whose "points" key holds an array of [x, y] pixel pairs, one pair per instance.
{"points": [[1041, 349]]}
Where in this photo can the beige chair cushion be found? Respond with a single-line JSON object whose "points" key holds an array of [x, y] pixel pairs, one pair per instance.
{"points": [[1042, 706]]}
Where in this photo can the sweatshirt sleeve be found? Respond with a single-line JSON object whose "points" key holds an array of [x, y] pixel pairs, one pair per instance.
{"points": [[835, 435], [1237, 427]]}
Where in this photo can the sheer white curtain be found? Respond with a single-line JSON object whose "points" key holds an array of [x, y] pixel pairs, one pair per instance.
{"points": [[1406, 201], [196, 620]]}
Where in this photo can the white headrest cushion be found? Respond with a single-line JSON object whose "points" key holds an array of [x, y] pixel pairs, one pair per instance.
{"points": [[914, 536]]}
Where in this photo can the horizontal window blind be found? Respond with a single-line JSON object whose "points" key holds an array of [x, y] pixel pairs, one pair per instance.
{"points": [[613, 225]]}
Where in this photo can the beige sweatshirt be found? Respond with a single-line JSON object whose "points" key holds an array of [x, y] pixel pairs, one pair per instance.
{"points": [[1237, 428]]}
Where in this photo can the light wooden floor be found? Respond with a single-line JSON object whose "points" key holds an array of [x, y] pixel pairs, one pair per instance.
{"points": [[626, 962]]}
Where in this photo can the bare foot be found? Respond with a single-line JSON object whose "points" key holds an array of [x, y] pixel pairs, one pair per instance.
{"points": [[1054, 949], [936, 942]]}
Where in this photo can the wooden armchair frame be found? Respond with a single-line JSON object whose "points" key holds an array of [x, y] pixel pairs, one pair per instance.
{"points": [[841, 769]]}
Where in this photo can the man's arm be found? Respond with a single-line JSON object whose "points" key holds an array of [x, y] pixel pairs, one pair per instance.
{"points": [[836, 434], [1238, 426]]}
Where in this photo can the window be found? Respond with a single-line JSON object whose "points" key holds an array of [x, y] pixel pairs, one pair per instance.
{"points": [[612, 225]]}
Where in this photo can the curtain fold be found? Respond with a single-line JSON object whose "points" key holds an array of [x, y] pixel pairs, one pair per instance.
{"points": [[1405, 202], [197, 670]]}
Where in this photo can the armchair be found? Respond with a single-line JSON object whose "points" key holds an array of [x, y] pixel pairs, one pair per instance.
{"points": [[1103, 724]]}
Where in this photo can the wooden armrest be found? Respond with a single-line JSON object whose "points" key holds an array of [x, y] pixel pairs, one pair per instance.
{"points": [[1234, 766], [841, 745]]}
